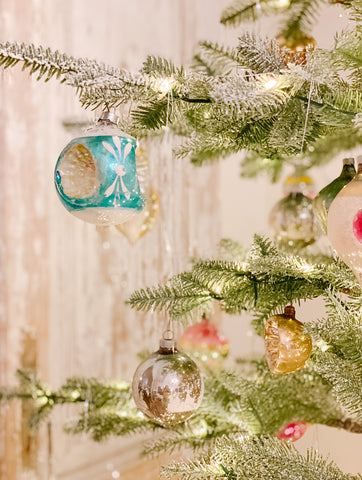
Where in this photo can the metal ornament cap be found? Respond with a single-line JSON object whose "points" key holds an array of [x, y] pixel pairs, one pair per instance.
{"points": [[287, 347], [110, 116]]}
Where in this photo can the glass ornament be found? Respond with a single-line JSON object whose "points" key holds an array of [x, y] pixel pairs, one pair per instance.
{"points": [[167, 387], [325, 197], [292, 220], [143, 222], [299, 182], [205, 344], [287, 347], [293, 431], [298, 46], [95, 175], [344, 223]]}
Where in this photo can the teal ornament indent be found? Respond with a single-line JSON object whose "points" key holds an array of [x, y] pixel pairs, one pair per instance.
{"points": [[96, 178]]}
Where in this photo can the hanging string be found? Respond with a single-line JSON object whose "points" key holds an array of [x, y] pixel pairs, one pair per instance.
{"points": [[166, 234], [307, 116], [168, 110], [172, 257]]}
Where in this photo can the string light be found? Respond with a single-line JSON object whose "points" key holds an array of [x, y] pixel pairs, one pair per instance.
{"points": [[163, 85], [307, 268], [280, 4], [269, 83]]}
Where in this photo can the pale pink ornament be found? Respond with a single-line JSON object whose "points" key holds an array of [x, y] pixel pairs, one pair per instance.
{"points": [[293, 431], [205, 344], [344, 227]]}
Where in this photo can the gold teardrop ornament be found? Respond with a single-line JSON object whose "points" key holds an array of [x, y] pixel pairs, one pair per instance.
{"points": [[287, 347], [142, 223]]}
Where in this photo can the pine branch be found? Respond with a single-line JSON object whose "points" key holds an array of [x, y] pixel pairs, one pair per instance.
{"points": [[181, 296], [239, 11], [268, 279], [91, 79], [249, 400], [346, 380], [161, 67], [301, 17], [215, 59], [260, 55], [255, 459]]}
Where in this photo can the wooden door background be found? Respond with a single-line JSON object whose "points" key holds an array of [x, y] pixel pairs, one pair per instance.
{"points": [[62, 282]]}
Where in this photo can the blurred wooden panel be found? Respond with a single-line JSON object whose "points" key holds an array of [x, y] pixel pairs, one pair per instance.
{"points": [[63, 283]]}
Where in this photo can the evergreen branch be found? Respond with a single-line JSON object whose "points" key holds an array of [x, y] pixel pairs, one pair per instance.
{"points": [[255, 459], [301, 17], [249, 400], [260, 55], [183, 295], [215, 59], [161, 67], [268, 279], [91, 79], [345, 378], [240, 10]]}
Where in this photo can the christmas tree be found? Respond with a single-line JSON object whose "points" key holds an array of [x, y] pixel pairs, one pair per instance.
{"points": [[285, 101]]}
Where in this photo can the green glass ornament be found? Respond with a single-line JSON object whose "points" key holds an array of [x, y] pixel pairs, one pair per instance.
{"points": [[325, 197]]}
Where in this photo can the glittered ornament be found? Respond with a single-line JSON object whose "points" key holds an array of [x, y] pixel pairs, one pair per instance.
{"points": [[140, 224], [344, 224], [95, 175], [298, 47], [167, 387], [293, 431], [287, 347], [325, 197], [292, 220], [203, 342]]}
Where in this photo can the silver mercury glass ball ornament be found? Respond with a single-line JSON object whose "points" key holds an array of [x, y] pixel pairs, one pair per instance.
{"points": [[292, 220], [167, 387]]}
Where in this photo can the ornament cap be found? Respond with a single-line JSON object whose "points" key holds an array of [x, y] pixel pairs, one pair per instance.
{"points": [[289, 310], [110, 116], [359, 164], [167, 343], [348, 161]]}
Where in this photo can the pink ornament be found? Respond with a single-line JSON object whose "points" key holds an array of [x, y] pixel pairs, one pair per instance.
{"points": [[205, 343], [293, 431], [344, 226], [357, 225]]}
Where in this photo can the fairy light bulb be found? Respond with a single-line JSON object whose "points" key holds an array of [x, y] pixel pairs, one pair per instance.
{"points": [[163, 85], [268, 82]]}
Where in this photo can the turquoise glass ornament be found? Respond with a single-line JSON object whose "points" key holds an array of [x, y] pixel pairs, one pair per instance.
{"points": [[325, 197], [95, 175]]}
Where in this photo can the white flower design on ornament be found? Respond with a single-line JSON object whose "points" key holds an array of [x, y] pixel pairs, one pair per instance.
{"points": [[118, 184]]}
